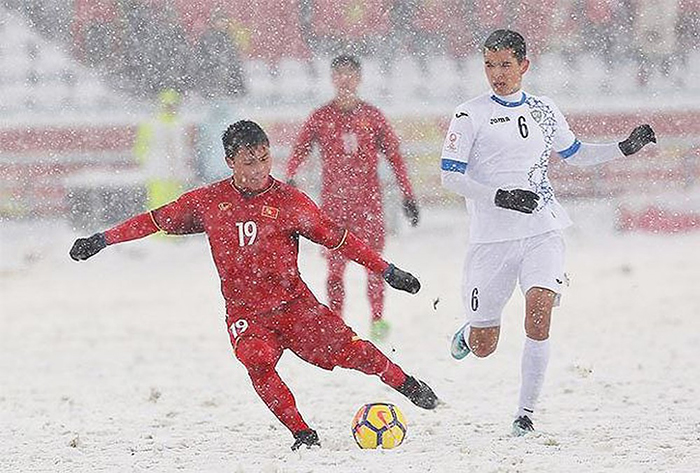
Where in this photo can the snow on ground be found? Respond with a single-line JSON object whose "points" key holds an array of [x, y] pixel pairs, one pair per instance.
{"points": [[122, 363]]}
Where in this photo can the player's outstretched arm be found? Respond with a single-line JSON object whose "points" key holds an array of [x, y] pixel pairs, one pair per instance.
{"points": [[401, 280], [589, 154], [180, 217], [638, 139], [136, 227], [84, 248], [355, 249], [320, 229]]}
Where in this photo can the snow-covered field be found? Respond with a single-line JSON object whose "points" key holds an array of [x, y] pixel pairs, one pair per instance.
{"points": [[122, 363]]}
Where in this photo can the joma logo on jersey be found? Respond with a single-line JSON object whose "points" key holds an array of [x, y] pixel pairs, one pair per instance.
{"points": [[224, 205], [270, 212], [496, 120]]}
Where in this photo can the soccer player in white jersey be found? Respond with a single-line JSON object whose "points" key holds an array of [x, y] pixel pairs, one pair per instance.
{"points": [[495, 155]]}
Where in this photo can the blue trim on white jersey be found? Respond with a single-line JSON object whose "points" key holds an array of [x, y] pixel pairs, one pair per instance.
{"points": [[452, 165], [571, 150], [505, 103]]}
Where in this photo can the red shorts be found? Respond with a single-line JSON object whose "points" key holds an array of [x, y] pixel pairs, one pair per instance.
{"points": [[305, 326]]}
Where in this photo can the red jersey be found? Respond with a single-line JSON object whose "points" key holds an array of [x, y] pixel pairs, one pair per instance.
{"points": [[350, 143], [254, 240]]}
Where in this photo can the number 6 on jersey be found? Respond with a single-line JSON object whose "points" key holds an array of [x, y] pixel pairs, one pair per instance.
{"points": [[247, 229]]}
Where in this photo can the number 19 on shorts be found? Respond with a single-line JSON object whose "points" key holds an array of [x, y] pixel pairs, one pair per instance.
{"points": [[238, 327]]}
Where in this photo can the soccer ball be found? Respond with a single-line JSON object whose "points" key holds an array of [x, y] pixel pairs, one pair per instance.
{"points": [[379, 425]]}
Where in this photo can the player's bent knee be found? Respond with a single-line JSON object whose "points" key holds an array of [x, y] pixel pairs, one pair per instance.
{"points": [[539, 304], [483, 341], [537, 326], [538, 333], [256, 354], [540, 299], [482, 350], [482, 346]]}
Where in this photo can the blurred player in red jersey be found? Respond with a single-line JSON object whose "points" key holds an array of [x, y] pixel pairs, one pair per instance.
{"points": [[351, 133], [253, 223]]}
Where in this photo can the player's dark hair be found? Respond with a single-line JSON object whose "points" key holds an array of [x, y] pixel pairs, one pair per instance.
{"points": [[243, 133], [346, 60], [507, 39]]}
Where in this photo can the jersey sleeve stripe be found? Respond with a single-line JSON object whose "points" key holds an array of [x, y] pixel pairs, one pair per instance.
{"points": [[571, 150], [453, 166], [345, 236]]}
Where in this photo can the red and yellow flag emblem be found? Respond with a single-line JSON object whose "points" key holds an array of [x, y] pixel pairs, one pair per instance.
{"points": [[270, 212]]}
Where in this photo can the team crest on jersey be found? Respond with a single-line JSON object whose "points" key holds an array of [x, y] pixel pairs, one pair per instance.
{"points": [[453, 142], [536, 115], [224, 205], [270, 212]]}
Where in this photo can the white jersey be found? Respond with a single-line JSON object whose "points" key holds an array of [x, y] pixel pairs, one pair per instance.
{"points": [[505, 143]]}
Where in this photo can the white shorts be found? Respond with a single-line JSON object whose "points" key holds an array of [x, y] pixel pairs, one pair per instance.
{"points": [[492, 269]]}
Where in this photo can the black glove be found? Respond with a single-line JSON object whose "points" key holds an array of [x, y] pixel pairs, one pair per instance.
{"points": [[521, 200], [640, 137], [401, 280], [83, 248], [410, 208]]}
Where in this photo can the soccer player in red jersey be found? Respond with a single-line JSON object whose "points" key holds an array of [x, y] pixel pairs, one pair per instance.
{"points": [[253, 223], [350, 134]]}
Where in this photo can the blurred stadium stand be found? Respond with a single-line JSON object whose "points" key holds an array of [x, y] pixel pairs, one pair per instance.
{"points": [[77, 77]]}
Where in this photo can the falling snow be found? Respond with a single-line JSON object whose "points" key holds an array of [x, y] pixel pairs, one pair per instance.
{"points": [[123, 363]]}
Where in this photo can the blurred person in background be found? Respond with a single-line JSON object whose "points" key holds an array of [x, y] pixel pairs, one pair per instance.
{"points": [[351, 134], [623, 51], [139, 42], [566, 20], [687, 33], [95, 26], [496, 155], [654, 31], [598, 31], [161, 150], [171, 54], [219, 70], [462, 29], [407, 35]]}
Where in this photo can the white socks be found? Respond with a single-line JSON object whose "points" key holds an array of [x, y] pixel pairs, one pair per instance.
{"points": [[534, 365]]}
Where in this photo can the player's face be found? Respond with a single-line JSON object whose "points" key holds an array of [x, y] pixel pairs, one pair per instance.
{"points": [[251, 167], [346, 80], [504, 72]]}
